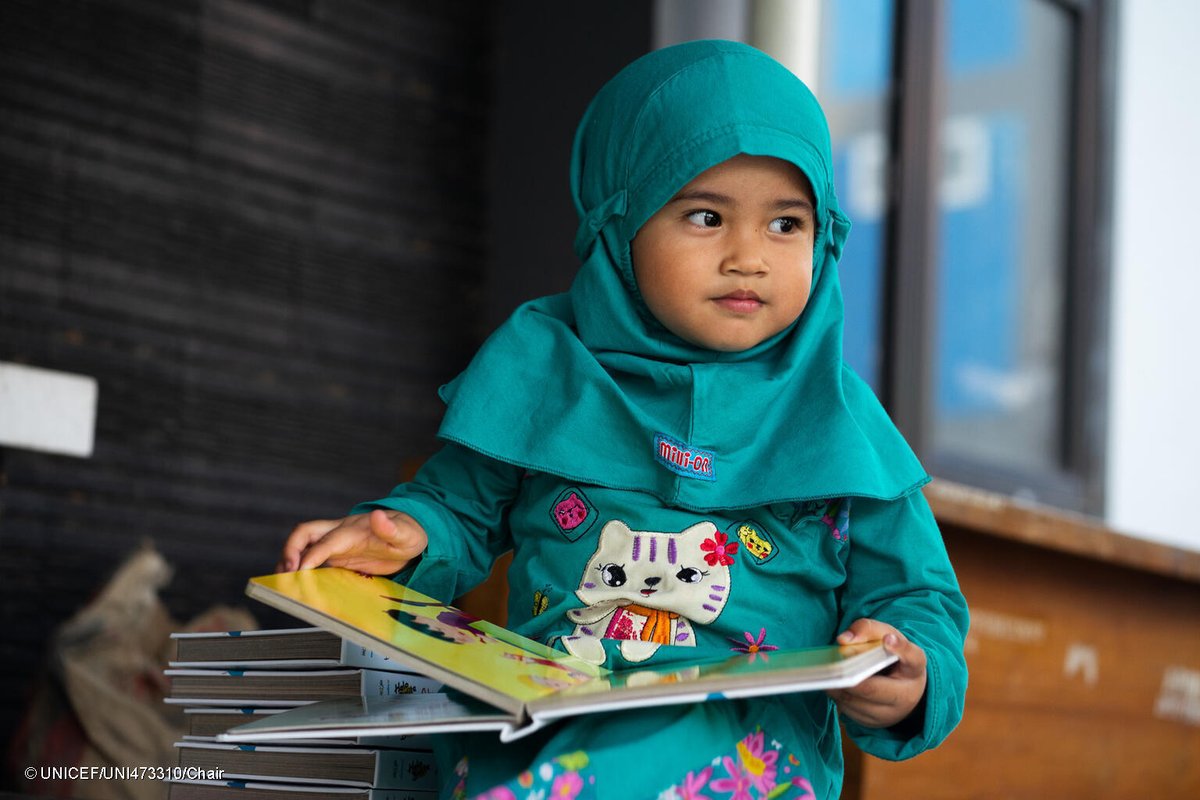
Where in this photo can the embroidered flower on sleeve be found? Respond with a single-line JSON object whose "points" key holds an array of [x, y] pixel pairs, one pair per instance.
{"points": [[754, 646], [719, 550]]}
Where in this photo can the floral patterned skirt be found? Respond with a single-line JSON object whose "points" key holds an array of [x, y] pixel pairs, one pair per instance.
{"points": [[663, 763]]}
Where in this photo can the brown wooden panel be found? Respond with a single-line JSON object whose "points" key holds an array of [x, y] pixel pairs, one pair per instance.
{"points": [[1084, 671], [1046, 753]]}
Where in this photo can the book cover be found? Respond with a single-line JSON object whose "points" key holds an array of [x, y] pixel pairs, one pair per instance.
{"points": [[477, 657], [533, 683], [372, 717], [206, 723]]}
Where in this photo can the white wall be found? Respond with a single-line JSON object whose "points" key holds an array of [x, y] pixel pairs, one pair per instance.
{"points": [[1154, 417]]}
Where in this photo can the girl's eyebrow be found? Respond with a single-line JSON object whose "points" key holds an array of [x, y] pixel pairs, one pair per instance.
{"points": [[716, 198], [699, 195], [798, 202]]}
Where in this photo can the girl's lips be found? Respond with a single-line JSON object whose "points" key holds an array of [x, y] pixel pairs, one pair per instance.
{"points": [[740, 302]]}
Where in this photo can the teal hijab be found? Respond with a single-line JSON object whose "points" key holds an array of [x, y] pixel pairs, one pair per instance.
{"points": [[589, 386]]}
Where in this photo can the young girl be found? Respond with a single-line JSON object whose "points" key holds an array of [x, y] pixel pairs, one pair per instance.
{"points": [[681, 462]]}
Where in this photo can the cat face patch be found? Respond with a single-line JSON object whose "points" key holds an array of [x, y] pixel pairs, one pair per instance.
{"points": [[647, 589], [756, 541], [573, 513]]}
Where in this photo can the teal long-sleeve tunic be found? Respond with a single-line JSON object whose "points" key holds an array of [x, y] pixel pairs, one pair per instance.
{"points": [[619, 578]]}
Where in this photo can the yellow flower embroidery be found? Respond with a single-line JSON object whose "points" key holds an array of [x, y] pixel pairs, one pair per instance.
{"points": [[754, 765]]}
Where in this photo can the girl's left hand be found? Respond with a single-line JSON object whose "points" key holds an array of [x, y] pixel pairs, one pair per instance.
{"points": [[887, 698]]}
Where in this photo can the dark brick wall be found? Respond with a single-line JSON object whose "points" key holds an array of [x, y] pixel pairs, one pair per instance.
{"points": [[259, 226]]}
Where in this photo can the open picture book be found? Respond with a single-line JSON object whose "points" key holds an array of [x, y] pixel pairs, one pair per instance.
{"points": [[499, 680]]}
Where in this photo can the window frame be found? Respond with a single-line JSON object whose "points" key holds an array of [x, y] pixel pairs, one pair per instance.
{"points": [[910, 270]]}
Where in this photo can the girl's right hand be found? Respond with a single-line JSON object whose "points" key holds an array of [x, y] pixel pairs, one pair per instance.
{"points": [[378, 543]]}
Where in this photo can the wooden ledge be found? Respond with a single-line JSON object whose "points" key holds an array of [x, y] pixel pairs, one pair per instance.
{"points": [[999, 515]]}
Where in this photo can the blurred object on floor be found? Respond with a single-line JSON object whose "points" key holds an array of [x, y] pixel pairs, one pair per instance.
{"points": [[100, 702]]}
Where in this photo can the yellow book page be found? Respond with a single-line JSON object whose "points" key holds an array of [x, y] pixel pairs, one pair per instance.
{"points": [[420, 630]]}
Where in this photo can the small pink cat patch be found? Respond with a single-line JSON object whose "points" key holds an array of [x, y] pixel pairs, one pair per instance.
{"points": [[570, 513], [573, 513]]}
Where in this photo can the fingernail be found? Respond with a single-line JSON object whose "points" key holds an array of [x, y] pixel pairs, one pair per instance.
{"points": [[890, 640]]}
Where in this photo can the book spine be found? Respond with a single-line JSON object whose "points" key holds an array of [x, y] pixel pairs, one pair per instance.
{"points": [[381, 683], [401, 769]]}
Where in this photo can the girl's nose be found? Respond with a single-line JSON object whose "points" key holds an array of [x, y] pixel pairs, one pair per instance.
{"points": [[744, 254]]}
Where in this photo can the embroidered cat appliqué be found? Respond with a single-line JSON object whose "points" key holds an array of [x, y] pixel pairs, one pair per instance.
{"points": [[570, 513], [647, 589]]}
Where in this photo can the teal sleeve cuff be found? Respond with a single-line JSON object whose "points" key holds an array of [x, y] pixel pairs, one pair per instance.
{"points": [[941, 712]]}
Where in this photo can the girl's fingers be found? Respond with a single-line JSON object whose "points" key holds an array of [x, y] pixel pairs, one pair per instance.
{"points": [[301, 537], [342, 540]]}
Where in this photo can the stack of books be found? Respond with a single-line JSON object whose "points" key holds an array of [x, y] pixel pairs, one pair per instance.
{"points": [[223, 680], [494, 680]]}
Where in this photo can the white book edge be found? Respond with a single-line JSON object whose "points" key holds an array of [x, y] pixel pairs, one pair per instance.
{"points": [[320, 789], [239, 634]]}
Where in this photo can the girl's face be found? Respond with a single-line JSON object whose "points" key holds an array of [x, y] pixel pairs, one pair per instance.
{"points": [[727, 262]]}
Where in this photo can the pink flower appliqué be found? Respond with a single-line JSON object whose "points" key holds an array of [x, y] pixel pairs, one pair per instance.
{"points": [[567, 786], [719, 550], [761, 764], [737, 784], [693, 784], [755, 647]]}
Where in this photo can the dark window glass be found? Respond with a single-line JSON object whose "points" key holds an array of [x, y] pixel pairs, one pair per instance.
{"points": [[1003, 219], [854, 84]]}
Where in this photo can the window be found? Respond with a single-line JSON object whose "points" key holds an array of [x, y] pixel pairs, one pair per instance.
{"points": [[968, 147]]}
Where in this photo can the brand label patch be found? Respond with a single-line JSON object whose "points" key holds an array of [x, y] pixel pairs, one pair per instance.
{"points": [[690, 462]]}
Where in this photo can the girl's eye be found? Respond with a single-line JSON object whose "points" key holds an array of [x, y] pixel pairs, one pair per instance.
{"points": [[704, 219], [783, 225]]}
